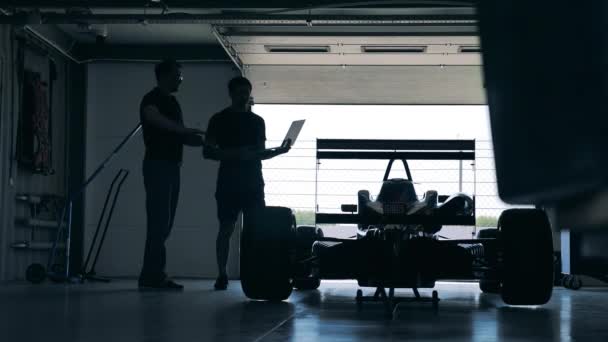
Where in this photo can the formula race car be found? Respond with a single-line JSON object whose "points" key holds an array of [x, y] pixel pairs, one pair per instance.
{"points": [[397, 245]]}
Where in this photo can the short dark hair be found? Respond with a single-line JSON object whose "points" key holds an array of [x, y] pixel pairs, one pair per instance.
{"points": [[166, 66], [237, 81]]}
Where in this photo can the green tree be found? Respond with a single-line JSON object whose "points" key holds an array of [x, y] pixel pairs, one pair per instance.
{"points": [[305, 217], [487, 221]]}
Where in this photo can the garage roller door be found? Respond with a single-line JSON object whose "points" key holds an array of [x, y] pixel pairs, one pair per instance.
{"points": [[333, 84]]}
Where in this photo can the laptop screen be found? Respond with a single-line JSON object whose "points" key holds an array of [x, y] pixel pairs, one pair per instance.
{"points": [[294, 131]]}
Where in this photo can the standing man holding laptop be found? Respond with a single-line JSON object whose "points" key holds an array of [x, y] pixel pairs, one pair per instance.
{"points": [[236, 138]]}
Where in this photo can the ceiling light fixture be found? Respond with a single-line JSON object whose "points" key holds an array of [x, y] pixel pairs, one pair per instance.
{"points": [[469, 49], [393, 49], [297, 48]]}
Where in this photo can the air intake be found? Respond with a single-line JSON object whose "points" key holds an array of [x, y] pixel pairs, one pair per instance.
{"points": [[393, 49], [297, 48]]}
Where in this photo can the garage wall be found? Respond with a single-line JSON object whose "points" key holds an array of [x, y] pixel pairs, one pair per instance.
{"points": [[328, 84], [16, 180], [113, 96], [7, 102]]}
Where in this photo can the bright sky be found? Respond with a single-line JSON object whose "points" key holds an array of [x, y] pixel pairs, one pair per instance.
{"points": [[374, 122]]}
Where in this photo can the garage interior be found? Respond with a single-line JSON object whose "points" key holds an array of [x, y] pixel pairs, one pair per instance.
{"points": [[95, 61]]}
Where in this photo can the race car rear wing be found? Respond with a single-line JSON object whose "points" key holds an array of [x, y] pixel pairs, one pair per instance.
{"points": [[392, 150], [396, 149]]}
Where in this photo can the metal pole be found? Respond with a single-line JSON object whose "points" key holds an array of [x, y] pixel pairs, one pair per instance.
{"points": [[68, 243], [108, 220], [98, 228], [460, 175], [318, 163], [459, 171], [105, 162], [474, 166], [70, 200]]}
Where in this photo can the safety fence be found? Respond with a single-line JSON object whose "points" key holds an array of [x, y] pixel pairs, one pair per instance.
{"points": [[292, 180]]}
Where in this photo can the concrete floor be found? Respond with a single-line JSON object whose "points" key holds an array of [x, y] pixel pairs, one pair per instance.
{"points": [[118, 312]]}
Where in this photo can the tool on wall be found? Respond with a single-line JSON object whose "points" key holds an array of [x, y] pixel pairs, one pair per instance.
{"points": [[91, 275], [64, 224]]}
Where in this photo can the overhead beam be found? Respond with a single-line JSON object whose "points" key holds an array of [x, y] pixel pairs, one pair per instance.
{"points": [[228, 49], [242, 19], [150, 53], [51, 37], [217, 4], [61, 43], [350, 31]]}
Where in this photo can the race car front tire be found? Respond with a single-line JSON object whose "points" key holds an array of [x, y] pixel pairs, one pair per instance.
{"points": [[487, 233], [267, 254]]}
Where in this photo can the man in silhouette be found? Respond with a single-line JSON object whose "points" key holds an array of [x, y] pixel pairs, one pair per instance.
{"points": [[164, 137], [236, 138]]}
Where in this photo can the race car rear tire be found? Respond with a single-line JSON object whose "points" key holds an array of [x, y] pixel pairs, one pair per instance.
{"points": [[306, 237], [488, 285], [526, 242], [488, 233], [268, 253]]}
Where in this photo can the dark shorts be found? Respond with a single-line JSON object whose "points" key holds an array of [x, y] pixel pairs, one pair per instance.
{"points": [[229, 206]]}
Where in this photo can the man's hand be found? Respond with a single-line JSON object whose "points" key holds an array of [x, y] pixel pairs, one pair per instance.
{"points": [[192, 136], [273, 152], [192, 131], [254, 152], [285, 147]]}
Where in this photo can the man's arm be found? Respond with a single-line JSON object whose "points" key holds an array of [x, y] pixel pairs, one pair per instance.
{"points": [[190, 136], [210, 148], [193, 139], [263, 153], [255, 152], [244, 153], [213, 152]]}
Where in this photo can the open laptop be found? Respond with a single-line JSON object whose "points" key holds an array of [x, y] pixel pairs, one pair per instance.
{"points": [[293, 132]]}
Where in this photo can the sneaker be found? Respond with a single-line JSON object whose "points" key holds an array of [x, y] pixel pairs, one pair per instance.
{"points": [[221, 283], [165, 285]]}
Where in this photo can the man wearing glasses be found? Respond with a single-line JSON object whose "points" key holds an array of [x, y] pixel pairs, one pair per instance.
{"points": [[164, 137]]}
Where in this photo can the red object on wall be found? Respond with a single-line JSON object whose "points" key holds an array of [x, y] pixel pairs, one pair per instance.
{"points": [[35, 142], [41, 127]]}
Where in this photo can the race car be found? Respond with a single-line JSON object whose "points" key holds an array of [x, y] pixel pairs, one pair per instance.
{"points": [[397, 245]]}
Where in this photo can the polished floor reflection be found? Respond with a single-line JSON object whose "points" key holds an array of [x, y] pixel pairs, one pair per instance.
{"points": [[118, 312]]}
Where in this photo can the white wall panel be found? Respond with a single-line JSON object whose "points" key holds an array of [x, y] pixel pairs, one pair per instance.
{"points": [[114, 93]]}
